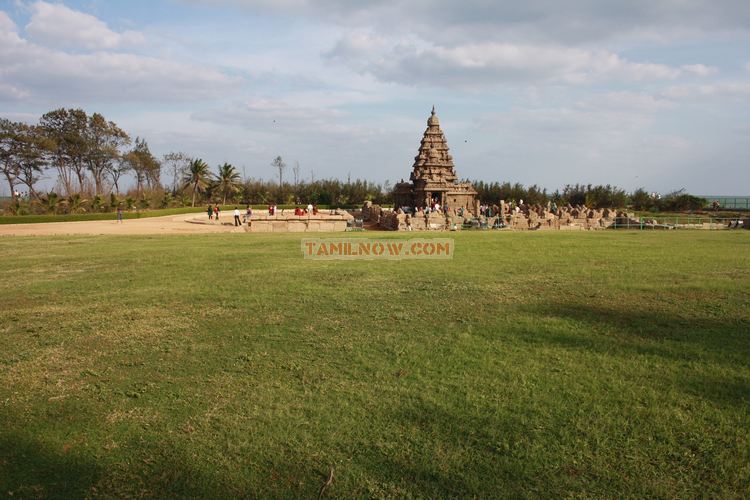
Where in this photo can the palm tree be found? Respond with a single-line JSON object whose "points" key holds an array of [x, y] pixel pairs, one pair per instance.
{"points": [[227, 180], [197, 176], [50, 202]]}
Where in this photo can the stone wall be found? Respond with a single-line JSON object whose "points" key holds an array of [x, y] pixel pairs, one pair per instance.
{"points": [[322, 222], [399, 221], [371, 213], [524, 217]]}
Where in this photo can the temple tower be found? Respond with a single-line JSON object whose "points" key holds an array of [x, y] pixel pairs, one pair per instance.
{"points": [[433, 163], [433, 177]]}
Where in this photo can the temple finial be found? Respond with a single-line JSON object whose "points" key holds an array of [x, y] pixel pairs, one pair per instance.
{"points": [[433, 109]]}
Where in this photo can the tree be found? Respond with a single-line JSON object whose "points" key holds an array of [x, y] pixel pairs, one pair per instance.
{"points": [[8, 147], [295, 170], [197, 177], [680, 201], [144, 165], [117, 170], [103, 149], [23, 155], [177, 165], [279, 164], [67, 129], [640, 199], [50, 201], [227, 181], [32, 156]]}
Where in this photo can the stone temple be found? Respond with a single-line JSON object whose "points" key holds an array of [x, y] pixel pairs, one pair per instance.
{"points": [[433, 177]]}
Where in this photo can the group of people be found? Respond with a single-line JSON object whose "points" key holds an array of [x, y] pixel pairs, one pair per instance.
{"points": [[311, 209], [214, 212], [299, 211], [435, 206]]}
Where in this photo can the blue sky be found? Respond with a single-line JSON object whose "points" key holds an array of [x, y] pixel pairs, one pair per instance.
{"points": [[636, 93]]}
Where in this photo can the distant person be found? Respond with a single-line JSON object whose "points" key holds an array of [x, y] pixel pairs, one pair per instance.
{"points": [[309, 208], [216, 212], [248, 214], [237, 217], [119, 214], [210, 212]]}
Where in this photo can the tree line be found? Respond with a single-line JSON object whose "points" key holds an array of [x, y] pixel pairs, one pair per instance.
{"points": [[594, 196], [89, 155]]}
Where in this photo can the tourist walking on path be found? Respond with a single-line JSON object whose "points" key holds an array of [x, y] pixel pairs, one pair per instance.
{"points": [[119, 214], [248, 214], [216, 212], [210, 212], [237, 217]]}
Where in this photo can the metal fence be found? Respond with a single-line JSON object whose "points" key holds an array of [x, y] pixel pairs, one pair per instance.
{"points": [[729, 202], [677, 222]]}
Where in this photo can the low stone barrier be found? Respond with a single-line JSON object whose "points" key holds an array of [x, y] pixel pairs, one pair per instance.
{"points": [[323, 223]]}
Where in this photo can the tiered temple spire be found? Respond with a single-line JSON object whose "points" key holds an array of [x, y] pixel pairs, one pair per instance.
{"points": [[433, 161], [433, 178]]}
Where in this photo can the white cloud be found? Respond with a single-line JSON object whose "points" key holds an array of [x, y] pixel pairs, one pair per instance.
{"points": [[32, 71], [542, 21], [713, 91], [274, 117], [413, 61], [59, 26]]}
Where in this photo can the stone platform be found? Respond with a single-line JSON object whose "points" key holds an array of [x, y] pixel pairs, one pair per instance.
{"points": [[285, 223], [290, 223]]}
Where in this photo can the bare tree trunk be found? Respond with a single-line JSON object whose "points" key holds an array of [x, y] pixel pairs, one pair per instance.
{"points": [[64, 175], [195, 188], [12, 187], [81, 175], [97, 184]]}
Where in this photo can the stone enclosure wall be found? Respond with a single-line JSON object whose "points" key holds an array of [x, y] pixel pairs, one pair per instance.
{"points": [[527, 217]]}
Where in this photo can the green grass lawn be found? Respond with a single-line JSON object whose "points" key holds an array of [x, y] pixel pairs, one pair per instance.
{"points": [[533, 364]]}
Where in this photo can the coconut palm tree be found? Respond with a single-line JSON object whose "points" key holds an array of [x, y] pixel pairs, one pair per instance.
{"points": [[227, 181], [197, 176]]}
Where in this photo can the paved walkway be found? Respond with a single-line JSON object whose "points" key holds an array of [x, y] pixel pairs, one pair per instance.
{"points": [[170, 224]]}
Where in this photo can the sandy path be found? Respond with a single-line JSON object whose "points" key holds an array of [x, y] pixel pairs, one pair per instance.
{"points": [[170, 224]]}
